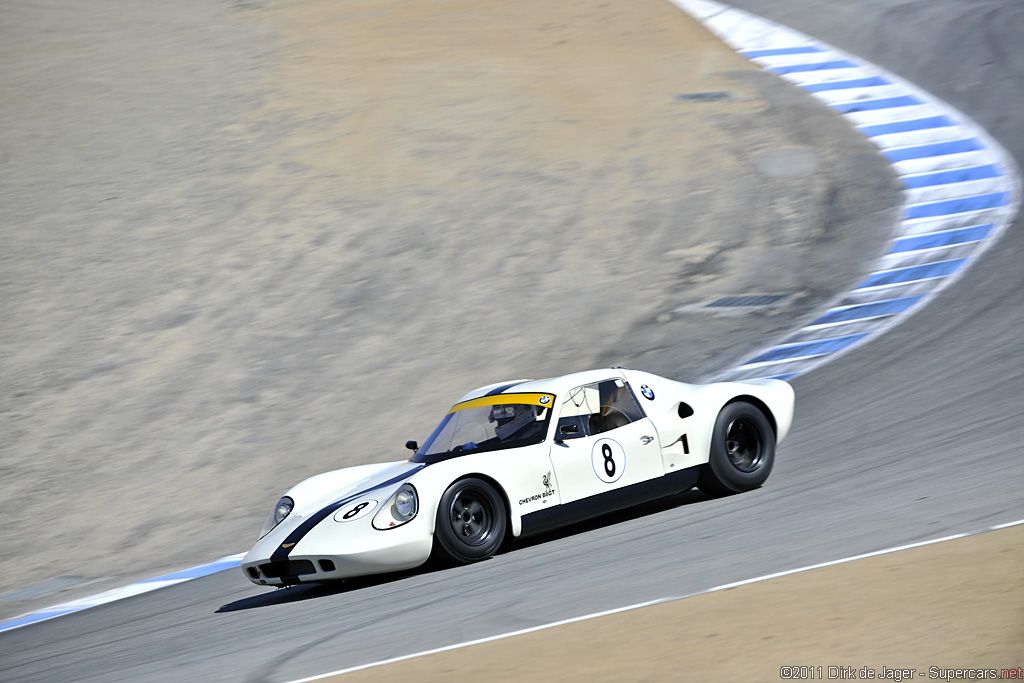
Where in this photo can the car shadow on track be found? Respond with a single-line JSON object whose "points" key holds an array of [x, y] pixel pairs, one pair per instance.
{"points": [[315, 591]]}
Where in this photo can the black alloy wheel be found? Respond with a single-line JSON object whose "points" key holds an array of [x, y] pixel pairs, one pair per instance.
{"points": [[744, 444], [742, 451], [471, 521]]}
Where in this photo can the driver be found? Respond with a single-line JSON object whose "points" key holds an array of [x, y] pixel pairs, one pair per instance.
{"points": [[513, 420]]}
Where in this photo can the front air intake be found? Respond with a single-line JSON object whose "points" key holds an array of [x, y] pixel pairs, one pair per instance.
{"points": [[275, 570]]}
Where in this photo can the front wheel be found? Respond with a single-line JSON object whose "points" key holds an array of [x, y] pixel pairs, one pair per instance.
{"points": [[470, 522], [742, 451]]}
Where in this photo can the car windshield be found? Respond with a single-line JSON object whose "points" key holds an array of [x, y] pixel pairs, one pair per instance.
{"points": [[489, 423]]}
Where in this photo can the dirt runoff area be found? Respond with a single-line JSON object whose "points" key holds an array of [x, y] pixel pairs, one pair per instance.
{"points": [[950, 611], [246, 242]]}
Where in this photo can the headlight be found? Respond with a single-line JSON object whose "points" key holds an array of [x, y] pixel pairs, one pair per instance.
{"points": [[405, 503], [402, 508], [277, 515]]}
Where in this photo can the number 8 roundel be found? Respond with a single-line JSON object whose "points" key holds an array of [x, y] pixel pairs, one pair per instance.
{"points": [[355, 510], [608, 459]]}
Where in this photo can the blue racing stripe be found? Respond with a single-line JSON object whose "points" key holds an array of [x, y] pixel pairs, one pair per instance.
{"points": [[299, 532], [872, 310], [871, 105], [780, 51], [912, 273], [940, 239], [817, 66], [502, 389], [978, 202], [934, 149], [955, 175], [871, 82], [814, 348], [926, 123]]}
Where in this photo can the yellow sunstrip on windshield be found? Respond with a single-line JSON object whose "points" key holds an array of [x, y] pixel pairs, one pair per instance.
{"points": [[545, 400]]}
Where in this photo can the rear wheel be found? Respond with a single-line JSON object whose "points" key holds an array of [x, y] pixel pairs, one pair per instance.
{"points": [[742, 451], [470, 522]]}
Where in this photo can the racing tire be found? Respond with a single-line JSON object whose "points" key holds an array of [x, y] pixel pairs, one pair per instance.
{"points": [[742, 451], [471, 521]]}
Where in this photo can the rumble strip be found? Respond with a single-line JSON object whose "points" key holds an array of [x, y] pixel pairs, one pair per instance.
{"points": [[961, 189]]}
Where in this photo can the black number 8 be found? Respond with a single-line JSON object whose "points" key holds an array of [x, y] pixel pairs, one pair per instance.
{"points": [[609, 461], [355, 511]]}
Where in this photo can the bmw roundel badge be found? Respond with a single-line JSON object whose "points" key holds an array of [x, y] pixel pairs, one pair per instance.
{"points": [[544, 400], [647, 392]]}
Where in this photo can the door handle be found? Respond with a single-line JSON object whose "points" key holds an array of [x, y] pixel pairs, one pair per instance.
{"points": [[646, 439]]}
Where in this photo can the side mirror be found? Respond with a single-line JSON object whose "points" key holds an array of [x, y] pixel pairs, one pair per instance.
{"points": [[412, 446], [567, 429]]}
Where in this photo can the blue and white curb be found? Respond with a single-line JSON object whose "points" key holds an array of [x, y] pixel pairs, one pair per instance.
{"points": [[123, 592], [961, 189]]}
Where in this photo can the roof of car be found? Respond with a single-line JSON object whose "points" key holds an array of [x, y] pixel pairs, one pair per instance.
{"points": [[551, 385]]}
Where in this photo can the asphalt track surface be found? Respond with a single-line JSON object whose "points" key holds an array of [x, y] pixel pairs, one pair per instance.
{"points": [[914, 436]]}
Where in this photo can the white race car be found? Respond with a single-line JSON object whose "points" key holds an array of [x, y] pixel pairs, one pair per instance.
{"points": [[519, 458]]}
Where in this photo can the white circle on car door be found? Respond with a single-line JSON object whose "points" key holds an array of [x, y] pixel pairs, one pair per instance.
{"points": [[609, 460]]}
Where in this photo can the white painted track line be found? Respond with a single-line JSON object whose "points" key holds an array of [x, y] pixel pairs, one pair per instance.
{"points": [[659, 601]]}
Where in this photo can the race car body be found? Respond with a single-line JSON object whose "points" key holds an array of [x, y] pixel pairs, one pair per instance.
{"points": [[518, 458]]}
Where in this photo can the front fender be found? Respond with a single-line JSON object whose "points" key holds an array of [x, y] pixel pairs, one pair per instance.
{"points": [[518, 474]]}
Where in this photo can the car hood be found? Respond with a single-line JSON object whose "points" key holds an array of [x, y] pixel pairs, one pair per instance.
{"points": [[319, 497], [324, 489]]}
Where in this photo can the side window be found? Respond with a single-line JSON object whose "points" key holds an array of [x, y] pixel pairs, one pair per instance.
{"points": [[596, 408], [574, 418], [572, 427], [618, 407], [615, 395]]}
